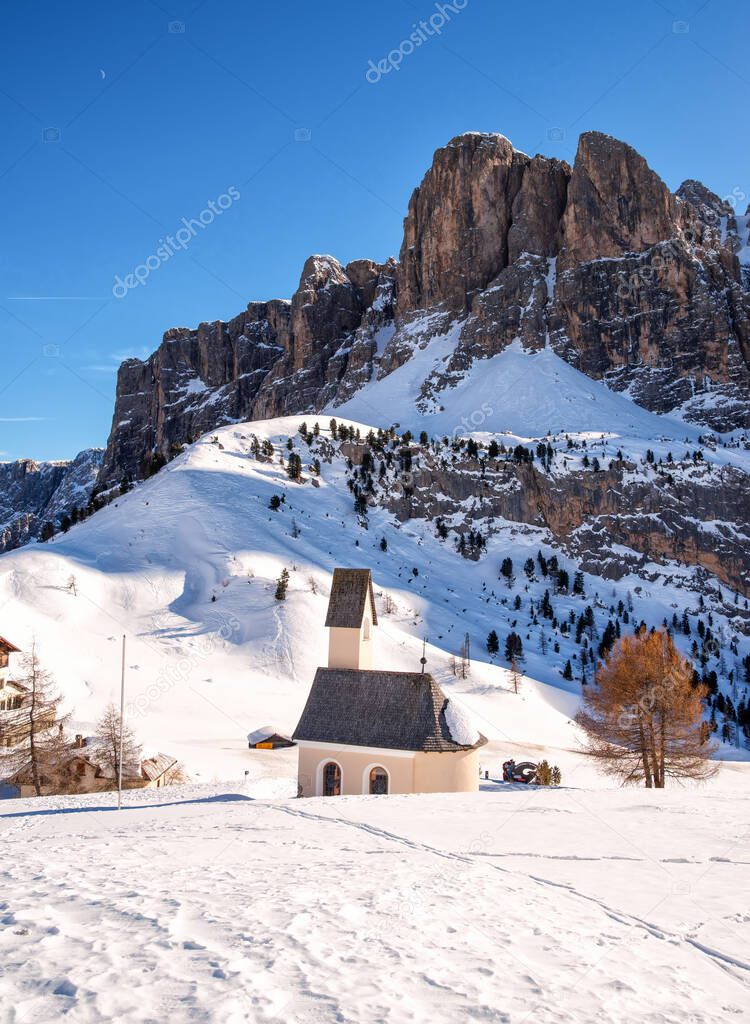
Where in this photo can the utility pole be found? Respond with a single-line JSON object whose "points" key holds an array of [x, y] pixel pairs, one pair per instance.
{"points": [[122, 726], [423, 659]]}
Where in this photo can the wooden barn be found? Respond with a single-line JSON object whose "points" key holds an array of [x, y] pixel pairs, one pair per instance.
{"points": [[267, 738]]}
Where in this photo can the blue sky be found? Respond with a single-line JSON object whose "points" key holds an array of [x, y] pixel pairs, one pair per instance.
{"points": [[121, 120]]}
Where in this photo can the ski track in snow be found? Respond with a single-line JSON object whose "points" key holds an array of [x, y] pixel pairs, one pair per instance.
{"points": [[721, 958], [207, 906]]}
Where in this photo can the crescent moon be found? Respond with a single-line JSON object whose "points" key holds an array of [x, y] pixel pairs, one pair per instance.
{"points": [[102, 73]]}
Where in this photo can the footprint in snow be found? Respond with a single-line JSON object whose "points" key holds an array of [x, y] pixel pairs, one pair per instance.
{"points": [[65, 988]]}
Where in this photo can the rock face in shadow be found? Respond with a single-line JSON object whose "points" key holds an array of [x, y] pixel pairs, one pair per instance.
{"points": [[627, 281], [33, 493]]}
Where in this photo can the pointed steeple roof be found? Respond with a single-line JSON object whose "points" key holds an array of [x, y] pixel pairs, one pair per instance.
{"points": [[349, 593]]}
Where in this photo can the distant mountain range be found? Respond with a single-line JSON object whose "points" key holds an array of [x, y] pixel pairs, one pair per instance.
{"points": [[35, 493]]}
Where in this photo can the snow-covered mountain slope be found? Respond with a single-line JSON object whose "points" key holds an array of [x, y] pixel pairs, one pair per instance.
{"points": [[185, 565], [563, 906], [527, 394]]}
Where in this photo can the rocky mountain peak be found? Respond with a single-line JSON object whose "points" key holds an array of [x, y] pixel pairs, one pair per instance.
{"points": [[319, 271], [456, 228], [600, 261], [615, 204], [706, 202]]}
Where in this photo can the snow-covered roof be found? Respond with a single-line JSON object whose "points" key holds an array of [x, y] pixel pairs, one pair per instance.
{"points": [[154, 767], [265, 733], [460, 724], [14, 683]]}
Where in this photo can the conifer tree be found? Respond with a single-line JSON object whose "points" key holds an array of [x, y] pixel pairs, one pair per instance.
{"points": [[513, 647], [294, 467], [108, 744], [515, 675], [282, 585]]}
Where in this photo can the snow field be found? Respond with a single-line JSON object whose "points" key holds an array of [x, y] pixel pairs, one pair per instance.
{"points": [[516, 905]]}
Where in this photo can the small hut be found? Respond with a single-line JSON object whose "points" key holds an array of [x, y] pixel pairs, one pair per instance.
{"points": [[160, 770], [266, 738]]}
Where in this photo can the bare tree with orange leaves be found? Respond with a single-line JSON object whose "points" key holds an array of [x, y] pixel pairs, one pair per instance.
{"points": [[643, 715]]}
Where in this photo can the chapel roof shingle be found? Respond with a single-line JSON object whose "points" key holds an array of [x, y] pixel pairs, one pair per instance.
{"points": [[388, 710]]}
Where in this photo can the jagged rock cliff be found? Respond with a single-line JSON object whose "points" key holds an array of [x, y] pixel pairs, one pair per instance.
{"points": [[277, 357], [627, 281], [34, 493]]}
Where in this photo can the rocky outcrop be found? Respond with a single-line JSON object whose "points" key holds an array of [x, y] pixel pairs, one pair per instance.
{"points": [[627, 281], [665, 324], [275, 358], [615, 204], [620, 519], [480, 206], [34, 493]]}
